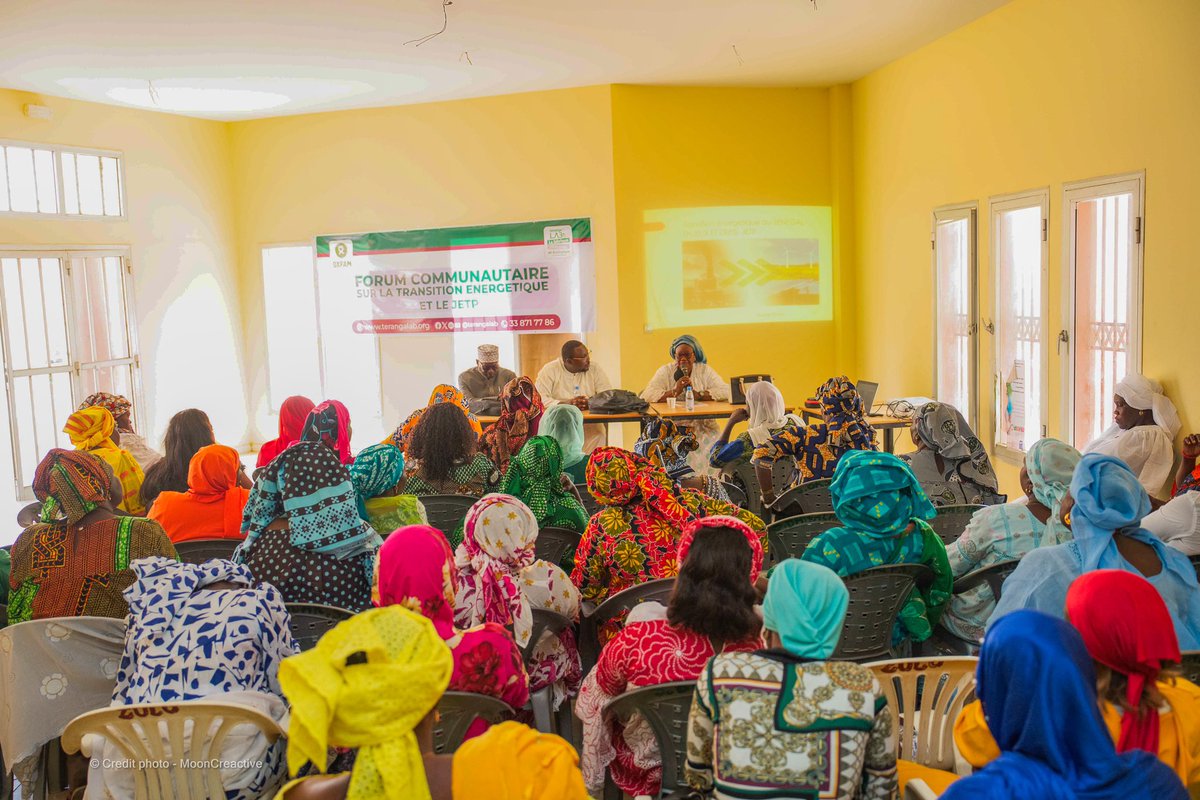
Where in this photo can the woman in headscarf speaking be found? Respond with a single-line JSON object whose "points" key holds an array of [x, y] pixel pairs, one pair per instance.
{"points": [[689, 367]]}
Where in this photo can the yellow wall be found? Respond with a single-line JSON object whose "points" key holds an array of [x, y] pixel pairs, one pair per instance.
{"points": [[1035, 94]]}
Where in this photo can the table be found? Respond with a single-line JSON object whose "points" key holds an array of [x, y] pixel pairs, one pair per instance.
{"points": [[884, 423], [705, 409]]}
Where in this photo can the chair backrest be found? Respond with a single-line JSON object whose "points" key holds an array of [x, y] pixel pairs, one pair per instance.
{"points": [[992, 575], [736, 495], [457, 711], [590, 504], [197, 551], [152, 735], [616, 605], [951, 521], [543, 620], [811, 497], [1191, 665], [310, 621], [787, 538], [555, 544], [926, 695], [876, 597], [1195, 564], [446, 512], [746, 478], [665, 707]]}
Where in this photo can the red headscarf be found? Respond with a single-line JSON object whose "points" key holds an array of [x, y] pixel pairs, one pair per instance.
{"points": [[1126, 626], [695, 526], [292, 414]]}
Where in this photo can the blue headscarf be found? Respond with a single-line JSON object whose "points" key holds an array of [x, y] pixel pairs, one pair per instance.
{"points": [[688, 339], [1038, 689], [806, 605]]}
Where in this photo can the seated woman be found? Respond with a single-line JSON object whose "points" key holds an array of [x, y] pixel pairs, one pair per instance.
{"points": [[93, 430], [563, 423], [211, 508], [204, 632], [187, 432], [1144, 703], [711, 611], [376, 474], [667, 446], [816, 448], [535, 477], [415, 569], [634, 538], [1007, 532], [1187, 479], [1038, 690], [1177, 522], [1103, 510], [834, 727], [502, 583], [765, 415], [303, 532], [76, 561], [950, 462], [1144, 426], [884, 511], [443, 394], [329, 424], [689, 367], [292, 414], [520, 414], [131, 441]]}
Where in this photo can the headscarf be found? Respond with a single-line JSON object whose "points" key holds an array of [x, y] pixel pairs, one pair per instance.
{"points": [[697, 525], [535, 477], [768, 412], [564, 422], [293, 413], [416, 570], [616, 477], [329, 423], [306, 483], [212, 478], [688, 339], [514, 762], [806, 605], [162, 584], [1126, 626], [115, 404], [877, 495], [1038, 691], [71, 483], [1145, 394], [373, 707], [520, 413], [443, 393], [944, 430], [498, 540], [842, 410], [91, 430], [377, 469], [1050, 464], [667, 446]]}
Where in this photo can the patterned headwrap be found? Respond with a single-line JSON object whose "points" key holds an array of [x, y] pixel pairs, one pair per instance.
{"points": [[90, 427], [329, 423], [535, 477], [498, 541], [115, 403], [842, 409], [443, 393], [752, 539], [91, 430], [376, 470], [877, 495], [72, 483], [1050, 464], [944, 430], [616, 477], [373, 707], [667, 446], [695, 345], [520, 413]]}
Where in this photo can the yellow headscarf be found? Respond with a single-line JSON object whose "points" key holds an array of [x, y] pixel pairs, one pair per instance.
{"points": [[91, 430], [374, 706], [513, 762]]}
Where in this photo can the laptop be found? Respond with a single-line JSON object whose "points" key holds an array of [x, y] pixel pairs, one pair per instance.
{"points": [[867, 391]]}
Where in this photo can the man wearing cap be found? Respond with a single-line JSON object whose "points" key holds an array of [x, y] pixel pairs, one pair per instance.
{"points": [[485, 380]]}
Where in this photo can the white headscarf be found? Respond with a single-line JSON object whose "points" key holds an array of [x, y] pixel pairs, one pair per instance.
{"points": [[1147, 395], [767, 411]]}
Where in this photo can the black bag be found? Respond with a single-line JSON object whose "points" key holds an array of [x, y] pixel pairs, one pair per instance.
{"points": [[737, 387], [616, 401]]}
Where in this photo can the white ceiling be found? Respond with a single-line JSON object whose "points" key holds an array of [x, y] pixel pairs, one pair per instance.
{"points": [[293, 56]]}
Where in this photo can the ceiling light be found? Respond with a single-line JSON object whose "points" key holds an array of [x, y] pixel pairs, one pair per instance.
{"points": [[197, 100]]}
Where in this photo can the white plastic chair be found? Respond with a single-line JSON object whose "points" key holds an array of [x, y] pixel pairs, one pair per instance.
{"points": [[918, 789], [155, 739], [926, 696]]}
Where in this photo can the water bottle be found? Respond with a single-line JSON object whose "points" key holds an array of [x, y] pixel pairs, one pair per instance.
{"points": [[689, 399]]}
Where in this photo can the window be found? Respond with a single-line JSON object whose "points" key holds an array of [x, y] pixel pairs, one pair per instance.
{"points": [[48, 179], [1104, 248], [954, 265], [293, 346], [1019, 256], [67, 334]]}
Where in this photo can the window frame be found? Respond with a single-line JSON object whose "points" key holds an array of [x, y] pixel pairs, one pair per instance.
{"points": [[1091, 189], [60, 213], [998, 204], [75, 368], [273, 403], [968, 211]]}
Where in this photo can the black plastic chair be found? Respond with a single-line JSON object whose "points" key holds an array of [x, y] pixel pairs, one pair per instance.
{"points": [[1191, 665], [787, 538], [458, 710], [310, 621], [1195, 564], [542, 701], [620, 603], [811, 497], [745, 477], [951, 521], [876, 597], [555, 545], [446, 512], [736, 495], [665, 707], [590, 505], [197, 551], [993, 575]]}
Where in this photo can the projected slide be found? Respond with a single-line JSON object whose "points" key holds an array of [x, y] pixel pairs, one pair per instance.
{"points": [[738, 264]]}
